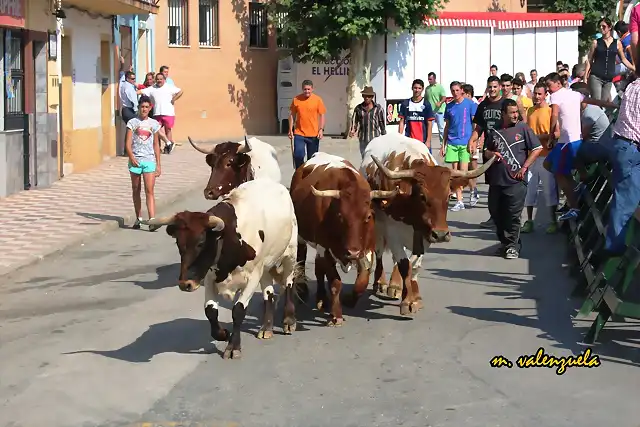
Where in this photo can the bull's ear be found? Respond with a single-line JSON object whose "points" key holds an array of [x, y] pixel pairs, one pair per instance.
{"points": [[242, 160], [210, 159], [171, 230]]}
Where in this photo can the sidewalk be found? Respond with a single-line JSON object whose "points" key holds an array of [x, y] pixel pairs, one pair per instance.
{"points": [[41, 222]]}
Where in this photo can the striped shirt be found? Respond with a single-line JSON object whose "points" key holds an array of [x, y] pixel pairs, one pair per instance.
{"points": [[628, 121], [369, 124]]}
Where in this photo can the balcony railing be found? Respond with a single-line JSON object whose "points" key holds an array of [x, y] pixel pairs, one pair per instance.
{"points": [[116, 7]]}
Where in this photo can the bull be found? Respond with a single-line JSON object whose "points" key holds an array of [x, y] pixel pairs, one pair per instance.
{"points": [[417, 216], [333, 206], [233, 163], [240, 244]]}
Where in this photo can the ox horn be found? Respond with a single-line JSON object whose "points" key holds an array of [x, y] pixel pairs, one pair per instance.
{"points": [[202, 150], [165, 220], [325, 193], [246, 147], [392, 174], [382, 194], [474, 173], [216, 223]]}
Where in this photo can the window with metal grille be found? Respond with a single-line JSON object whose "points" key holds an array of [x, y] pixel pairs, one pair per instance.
{"points": [[208, 23], [258, 31], [280, 18], [178, 22], [14, 80]]}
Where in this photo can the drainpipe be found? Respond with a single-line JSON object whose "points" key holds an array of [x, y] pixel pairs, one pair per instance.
{"points": [[151, 44], [134, 46], [59, 127]]}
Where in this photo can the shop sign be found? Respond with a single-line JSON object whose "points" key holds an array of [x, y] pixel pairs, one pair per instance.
{"points": [[12, 13]]}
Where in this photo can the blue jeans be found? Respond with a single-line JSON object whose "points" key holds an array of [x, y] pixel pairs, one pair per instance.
{"points": [[302, 144], [440, 123], [624, 157]]}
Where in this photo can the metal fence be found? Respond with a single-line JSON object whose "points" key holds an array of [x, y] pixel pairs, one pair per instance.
{"points": [[208, 22], [178, 22], [258, 25]]}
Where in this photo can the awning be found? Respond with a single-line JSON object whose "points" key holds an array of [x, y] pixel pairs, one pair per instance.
{"points": [[505, 20]]}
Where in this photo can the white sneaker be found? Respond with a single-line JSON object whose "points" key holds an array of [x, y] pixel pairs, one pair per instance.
{"points": [[458, 207]]}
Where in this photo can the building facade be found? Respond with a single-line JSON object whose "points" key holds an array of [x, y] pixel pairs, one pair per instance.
{"points": [[223, 55], [89, 70], [28, 125]]}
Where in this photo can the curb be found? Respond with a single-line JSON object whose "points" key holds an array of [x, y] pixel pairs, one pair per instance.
{"points": [[103, 228]]}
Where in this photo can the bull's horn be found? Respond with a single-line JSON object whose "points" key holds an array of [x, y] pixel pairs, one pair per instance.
{"points": [[202, 150], [393, 174], [474, 173], [382, 194], [165, 220], [215, 223], [246, 147], [325, 193]]}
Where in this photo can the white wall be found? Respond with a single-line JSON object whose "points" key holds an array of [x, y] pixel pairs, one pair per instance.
{"points": [[567, 42], [546, 50], [524, 44], [478, 54], [85, 33], [400, 66], [502, 51]]}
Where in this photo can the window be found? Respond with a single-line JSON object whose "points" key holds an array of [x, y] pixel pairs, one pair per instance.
{"points": [[282, 44], [178, 22], [258, 34], [14, 81], [208, 23]]}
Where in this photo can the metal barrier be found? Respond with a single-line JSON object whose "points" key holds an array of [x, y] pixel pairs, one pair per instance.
{"points": [[606, 285]]}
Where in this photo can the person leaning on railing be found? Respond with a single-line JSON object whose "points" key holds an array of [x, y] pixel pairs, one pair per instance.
{"points": [[621, 148]]}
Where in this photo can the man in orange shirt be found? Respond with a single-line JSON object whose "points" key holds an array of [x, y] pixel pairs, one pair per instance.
{"points": [[539, 119], [308, 110]]}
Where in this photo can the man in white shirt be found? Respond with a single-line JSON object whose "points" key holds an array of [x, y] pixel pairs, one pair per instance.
{"points": [[164, 96]]}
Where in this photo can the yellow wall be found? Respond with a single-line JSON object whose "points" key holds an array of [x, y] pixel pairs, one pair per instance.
{"points": [[39, 17]]}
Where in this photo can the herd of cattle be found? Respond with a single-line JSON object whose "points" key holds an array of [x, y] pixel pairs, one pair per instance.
{"points": [[259, 231]]}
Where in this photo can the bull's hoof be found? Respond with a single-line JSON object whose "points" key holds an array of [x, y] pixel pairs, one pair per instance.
{"points": [[405, 309], [265, 334], [321, 304], [230, 353], [416, 306], [335, 322], [394, 292], [289, 326], [381, 289]]}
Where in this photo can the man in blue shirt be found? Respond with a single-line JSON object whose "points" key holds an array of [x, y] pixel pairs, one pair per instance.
{"points": [[458, 118], [416, 116]]}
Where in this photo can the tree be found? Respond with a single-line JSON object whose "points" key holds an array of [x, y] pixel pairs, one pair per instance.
{"points": [[592, 10], [322, 30]]}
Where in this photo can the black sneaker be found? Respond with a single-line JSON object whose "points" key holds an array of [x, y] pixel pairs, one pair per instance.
{"points": [[168, 148], [136, 224]]}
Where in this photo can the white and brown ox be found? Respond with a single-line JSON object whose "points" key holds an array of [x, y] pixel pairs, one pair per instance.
{"points": [[333, 205], [233, 163], [243, 243], [417, 216]]}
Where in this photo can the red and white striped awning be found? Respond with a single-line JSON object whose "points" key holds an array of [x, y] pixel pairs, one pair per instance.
{"points": [[505, 20]]}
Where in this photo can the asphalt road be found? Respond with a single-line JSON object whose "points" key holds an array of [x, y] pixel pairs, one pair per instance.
{"points": [[101, 336]]}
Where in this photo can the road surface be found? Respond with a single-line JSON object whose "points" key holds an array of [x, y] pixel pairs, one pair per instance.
{"points": [[101, 336]]}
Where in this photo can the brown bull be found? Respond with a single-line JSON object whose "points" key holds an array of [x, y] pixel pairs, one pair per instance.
{"points": [[419, 211], [234, 163], [332, 201]]}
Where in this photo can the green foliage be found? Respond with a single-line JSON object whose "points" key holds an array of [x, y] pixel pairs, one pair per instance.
{"points": [[322, 29], [593, 11]]}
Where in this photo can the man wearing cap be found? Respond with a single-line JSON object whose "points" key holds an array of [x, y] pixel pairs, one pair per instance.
{"points": [[368, 119]]}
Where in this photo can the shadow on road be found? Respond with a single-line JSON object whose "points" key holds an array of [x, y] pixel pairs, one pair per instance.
{"points": [[104, 218], [547, 283]]}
